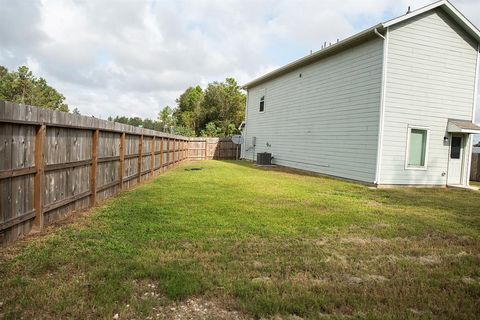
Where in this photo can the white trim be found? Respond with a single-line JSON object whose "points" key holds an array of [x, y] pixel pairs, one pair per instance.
{"points": [[454, 127], [311, 58], [379, 34], [382, 108], [467, 156], [475, 89], [244, 145], [466, 138], [341, 45], [414, 13], [475, 100], [264, 96], [462, 20], [451, 11], [407, 151]]}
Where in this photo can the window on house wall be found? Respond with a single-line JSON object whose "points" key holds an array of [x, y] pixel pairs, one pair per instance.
{"points": [[262, 104], [417, 148], [456, 148]]}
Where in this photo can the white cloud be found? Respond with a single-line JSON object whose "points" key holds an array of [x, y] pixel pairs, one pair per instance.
{"points": [[127, 57]]}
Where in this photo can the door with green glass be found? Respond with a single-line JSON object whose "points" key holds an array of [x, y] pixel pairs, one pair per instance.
{"points": [[455, 161]]}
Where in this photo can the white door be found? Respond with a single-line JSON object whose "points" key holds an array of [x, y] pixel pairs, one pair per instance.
{"points": [[456, 160]]}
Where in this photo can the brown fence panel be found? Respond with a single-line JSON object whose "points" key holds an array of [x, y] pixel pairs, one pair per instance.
{"points": [[213, 148], [196, 148], [53, 163], [475, 168]]}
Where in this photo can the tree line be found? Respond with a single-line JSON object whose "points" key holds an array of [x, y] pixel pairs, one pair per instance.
{"points": [[23, 87], [215, 111]]}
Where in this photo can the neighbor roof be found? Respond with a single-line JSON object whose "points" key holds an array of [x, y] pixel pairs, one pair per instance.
{"points": [[453, 12]]}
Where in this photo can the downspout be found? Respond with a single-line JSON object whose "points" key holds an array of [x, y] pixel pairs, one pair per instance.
{"points": [[244, 145], [382, 105], [379, 34]]}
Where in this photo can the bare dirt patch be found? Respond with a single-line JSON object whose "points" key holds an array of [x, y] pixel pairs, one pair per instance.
{"points": [[196, 308]]}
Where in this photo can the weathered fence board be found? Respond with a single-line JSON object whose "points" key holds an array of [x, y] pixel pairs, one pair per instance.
{"points": [[53, 163], [475, 167], [212, 149]]}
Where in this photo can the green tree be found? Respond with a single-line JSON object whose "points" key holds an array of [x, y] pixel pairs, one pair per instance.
{"points": [[23, 87], [216, 111], [184, 131], [166, 119], [211, 130], [148, 124], [136, 121], [46, 96], [189, 108], [224, 104]]}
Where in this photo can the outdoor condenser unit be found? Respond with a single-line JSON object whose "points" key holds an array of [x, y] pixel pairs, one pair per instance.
{"points": [[264, 159]]}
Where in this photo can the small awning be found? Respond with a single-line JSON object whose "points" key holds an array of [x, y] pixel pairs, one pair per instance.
{"points": [[462, 126]]}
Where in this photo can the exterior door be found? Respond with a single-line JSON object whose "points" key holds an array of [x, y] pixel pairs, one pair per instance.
{"points": [[455, 162]]}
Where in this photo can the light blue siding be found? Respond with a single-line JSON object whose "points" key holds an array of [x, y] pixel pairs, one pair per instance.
{"points": [[323, 117], [431, 66]]}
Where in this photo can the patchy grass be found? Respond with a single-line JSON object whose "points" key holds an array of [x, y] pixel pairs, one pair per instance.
{"points": [[234, 241]]}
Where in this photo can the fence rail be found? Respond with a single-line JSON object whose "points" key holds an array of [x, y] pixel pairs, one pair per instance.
{"points": [[475, 167], [53, 163]]}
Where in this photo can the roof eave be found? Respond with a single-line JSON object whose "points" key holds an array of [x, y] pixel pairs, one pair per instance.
{"points": [[447, 7], [444, 4], [313, 57]]}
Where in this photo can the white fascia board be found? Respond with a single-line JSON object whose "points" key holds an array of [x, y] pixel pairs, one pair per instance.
{"points": [[413, 13], [449, 9], [453, 128], [311, 57]]}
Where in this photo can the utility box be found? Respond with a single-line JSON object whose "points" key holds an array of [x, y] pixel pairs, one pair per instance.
{"points": [[264, 159]]}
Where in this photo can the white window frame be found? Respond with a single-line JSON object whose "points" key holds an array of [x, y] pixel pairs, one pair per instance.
{"points": [[407, 152], [260, 101], [263, 93]]}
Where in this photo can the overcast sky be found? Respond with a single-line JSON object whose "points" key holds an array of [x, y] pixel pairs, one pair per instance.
{"points": [[132, 57]]}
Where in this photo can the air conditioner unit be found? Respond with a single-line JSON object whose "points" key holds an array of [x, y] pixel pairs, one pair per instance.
{"points": [[264, 159]]}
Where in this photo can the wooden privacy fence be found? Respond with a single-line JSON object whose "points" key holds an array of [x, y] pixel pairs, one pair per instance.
{"points": [[53, 163], [475, 168], [213, 149]]}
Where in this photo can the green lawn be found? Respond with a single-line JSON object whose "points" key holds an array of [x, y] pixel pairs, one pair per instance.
{"points": [[234, 241], [475, 183]]}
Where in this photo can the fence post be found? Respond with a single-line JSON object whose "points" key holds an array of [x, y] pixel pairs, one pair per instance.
{"points": [[206, 149], [477, 178], [161, 155], [152, 157], [121, 168], [168, 153], [39, 176], [140, 158], [175, 152], [93, 168]]}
